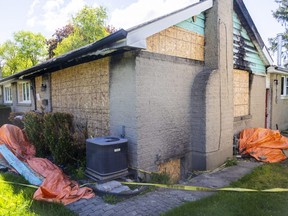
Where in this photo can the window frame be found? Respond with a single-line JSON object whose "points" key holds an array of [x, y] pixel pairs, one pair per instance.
{"points": [[284, 86], [25, 86], [5, 100], [247, 115]]}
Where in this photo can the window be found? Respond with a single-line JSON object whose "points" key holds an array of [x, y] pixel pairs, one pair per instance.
{"points": [[7, 94], [241, 93], [284, 86], [24, 92]]}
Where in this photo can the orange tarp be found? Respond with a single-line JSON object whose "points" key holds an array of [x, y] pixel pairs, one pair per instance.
{"points": [[56, 187], [263, 144]]}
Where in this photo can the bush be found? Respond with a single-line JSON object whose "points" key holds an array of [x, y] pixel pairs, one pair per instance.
{"points": [[33, 124], [55, 134], [58, 134]]}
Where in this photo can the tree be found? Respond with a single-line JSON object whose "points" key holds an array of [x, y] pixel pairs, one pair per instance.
{"points": [[58, 36], [27, 50], [281, 15], [88, 27], [9, 59], [31, 46]]}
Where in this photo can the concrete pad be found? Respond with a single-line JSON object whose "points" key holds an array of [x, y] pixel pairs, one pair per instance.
{"points": [[223, 177]]}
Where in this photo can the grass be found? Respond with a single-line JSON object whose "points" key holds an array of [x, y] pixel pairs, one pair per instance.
{"points": [[159, 178], [112, 199], [245, 203], [231, 162], [17, 200]]}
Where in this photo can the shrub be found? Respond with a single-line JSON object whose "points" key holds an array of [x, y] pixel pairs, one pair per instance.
{"points": [[33, 124], [58, 134]]}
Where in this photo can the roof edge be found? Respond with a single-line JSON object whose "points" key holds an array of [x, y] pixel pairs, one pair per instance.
{"points": [[277, 70], [247, 20], [137, 35], [114, 37]]}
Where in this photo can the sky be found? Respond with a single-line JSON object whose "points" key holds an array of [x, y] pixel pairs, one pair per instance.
{"points": [[45, 16]]}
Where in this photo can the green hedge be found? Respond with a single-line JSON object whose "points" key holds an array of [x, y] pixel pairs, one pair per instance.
{"points": [[54, 133]]}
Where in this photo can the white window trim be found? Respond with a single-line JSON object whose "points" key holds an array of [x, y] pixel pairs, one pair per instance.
{"points": [[26, 91], [10, 100], [284, 95]]}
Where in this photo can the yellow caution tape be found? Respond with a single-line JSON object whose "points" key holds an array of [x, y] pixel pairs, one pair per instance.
{"points": [[276, 190], [237, 189], [20, 184], [196, 188], [177, 187]]}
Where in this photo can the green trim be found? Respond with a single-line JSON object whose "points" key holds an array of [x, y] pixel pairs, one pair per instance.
{"points": [[241, 39], [197, 26]]}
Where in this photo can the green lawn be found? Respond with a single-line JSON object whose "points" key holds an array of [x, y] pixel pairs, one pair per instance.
{"points": [[17, 200], [245, 203]]}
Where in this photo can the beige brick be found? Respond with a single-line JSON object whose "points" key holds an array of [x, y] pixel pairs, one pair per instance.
{"points": [[82, 89]]}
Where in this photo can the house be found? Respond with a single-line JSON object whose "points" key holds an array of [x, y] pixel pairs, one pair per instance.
{"points": [[178, 87], [277, 95]]}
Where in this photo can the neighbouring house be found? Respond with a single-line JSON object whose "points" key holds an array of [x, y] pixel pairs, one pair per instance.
{"points": [[277, 98], [178, 87]]}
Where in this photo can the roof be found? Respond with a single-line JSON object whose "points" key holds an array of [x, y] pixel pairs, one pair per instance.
{"points": [[247, 22], [120, 41], [277, 70]]}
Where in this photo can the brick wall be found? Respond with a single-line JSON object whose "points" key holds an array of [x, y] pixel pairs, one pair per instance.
{"points": [[213, 129], [150, 94], [179, 42], [163, 108], [123, 101], [83, 90]]}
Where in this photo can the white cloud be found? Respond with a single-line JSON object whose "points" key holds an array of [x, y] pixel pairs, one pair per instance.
{"points": [[53, 14], [145, 10], [34, 4], [57, 14]]}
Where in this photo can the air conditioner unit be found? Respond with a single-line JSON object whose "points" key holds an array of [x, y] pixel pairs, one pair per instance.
{"points": [[106, 158]]}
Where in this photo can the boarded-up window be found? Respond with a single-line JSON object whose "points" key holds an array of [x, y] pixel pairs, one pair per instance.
{"points": [[179, 42], [241, 93]]}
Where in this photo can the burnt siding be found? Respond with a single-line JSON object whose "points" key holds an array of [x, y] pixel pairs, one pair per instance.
{"points": [[245, 54], [194, 24]]}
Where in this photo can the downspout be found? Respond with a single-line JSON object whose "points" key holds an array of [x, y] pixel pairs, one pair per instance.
{"points": [[279, 49], [34, 93]]}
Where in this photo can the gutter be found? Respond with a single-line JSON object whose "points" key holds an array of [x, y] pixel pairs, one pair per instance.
{"points": [[78, 53], [277, 70]]}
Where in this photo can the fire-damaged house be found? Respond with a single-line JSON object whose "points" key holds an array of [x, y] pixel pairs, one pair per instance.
{"points": [[178, 87]]}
